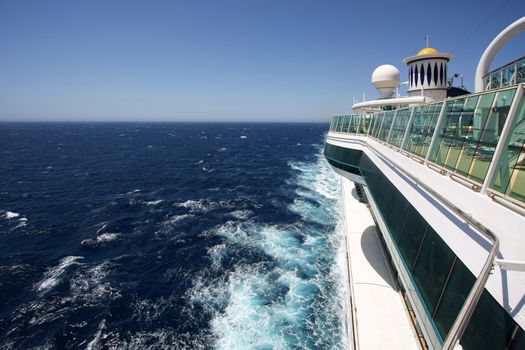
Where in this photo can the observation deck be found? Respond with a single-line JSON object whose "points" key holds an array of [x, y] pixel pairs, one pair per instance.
{"points": [[445, 183]]}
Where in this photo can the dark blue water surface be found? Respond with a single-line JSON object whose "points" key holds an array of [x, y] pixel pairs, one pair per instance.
{"points": [[154, 236]]}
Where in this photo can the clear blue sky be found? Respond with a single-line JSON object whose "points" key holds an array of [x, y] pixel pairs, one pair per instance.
{"points": [[249, 60]]}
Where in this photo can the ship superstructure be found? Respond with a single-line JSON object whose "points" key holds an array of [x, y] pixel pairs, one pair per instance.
{"points": [[444, 178]]}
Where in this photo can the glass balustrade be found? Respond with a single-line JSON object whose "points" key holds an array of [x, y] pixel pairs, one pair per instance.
{"points": [[509, 178], [510, 74], [467, 135], [399, 127], [421, 129]]}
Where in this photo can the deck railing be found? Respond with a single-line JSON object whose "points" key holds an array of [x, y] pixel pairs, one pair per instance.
{"points": [[478, 139]]}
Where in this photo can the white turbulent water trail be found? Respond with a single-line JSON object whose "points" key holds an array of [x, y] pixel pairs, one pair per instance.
{"points": [[297, 302]]}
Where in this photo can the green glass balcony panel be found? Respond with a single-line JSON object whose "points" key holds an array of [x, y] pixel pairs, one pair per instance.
{"points": [[378, 124], [432, 268], [414, 130], [354, 124], [474, 137], [490, 135], [461, 138], [430, 118], [341, 123], [454, 295], [373, 121], [386, 125], [399, 127], [447, 137], [495, 80], [520, 72], [508, 77], [421, 129], [509, 177], [364, 126], [346, 123]]}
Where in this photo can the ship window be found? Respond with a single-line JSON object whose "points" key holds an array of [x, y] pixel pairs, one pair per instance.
{"points": [[422, 74], [454, 295], [490, 327], [441, 74], [510, 173], [436, 74], [519, 340], [432, 268], [411, 236], [429, 74], [396, 218], [388, 197]]}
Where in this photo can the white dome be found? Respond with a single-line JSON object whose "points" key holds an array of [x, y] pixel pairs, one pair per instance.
{"points": [[385, 78]]}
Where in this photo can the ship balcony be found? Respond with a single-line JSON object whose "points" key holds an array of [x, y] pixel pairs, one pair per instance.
{"points": [[417, 163]]}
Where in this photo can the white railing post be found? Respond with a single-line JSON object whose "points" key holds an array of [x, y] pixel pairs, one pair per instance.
{"points": [[391, 126], [409, 124], [505, 133], [436, 129]]}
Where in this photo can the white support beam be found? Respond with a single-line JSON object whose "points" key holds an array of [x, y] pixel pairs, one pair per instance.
{"points": [[493, 49]]}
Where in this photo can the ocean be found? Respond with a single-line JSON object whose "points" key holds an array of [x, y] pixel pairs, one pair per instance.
{"points": [[169, 236]]}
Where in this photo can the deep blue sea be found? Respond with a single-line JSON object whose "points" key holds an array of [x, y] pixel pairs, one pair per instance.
{"points": [[169, 236]]}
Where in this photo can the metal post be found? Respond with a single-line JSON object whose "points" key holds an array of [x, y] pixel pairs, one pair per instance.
{"points": [[391, 126], [436, 130], [505, 133], [409, 125]]}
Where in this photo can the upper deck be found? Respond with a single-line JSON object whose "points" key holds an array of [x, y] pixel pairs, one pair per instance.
{"points": [[477, 140]]}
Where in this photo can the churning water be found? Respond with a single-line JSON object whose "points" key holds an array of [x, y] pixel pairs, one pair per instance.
{"points": [[154, 236]]}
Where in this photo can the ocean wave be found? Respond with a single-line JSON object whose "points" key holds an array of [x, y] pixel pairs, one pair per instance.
{"points": [[241, 214], [296, 300], [101, 239], [155, 202], [54, 275], [205, 205], [10, 215], [94, 344]]}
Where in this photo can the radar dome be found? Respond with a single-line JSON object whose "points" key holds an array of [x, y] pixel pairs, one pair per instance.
{"points": [[385, 78]]}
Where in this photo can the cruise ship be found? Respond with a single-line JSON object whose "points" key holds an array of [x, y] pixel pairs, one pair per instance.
{"points": [[433, 188]]}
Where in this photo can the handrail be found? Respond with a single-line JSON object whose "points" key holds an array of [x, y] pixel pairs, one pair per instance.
{"points": [[463, 318]]}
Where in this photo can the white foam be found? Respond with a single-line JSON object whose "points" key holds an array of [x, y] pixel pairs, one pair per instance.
{"points": [[155, 202], [53, 275], [22, 222], [95, 343], [101, 239], [178, 218], [244, 137], [11, 215], [241, 214], [296, 303]]}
